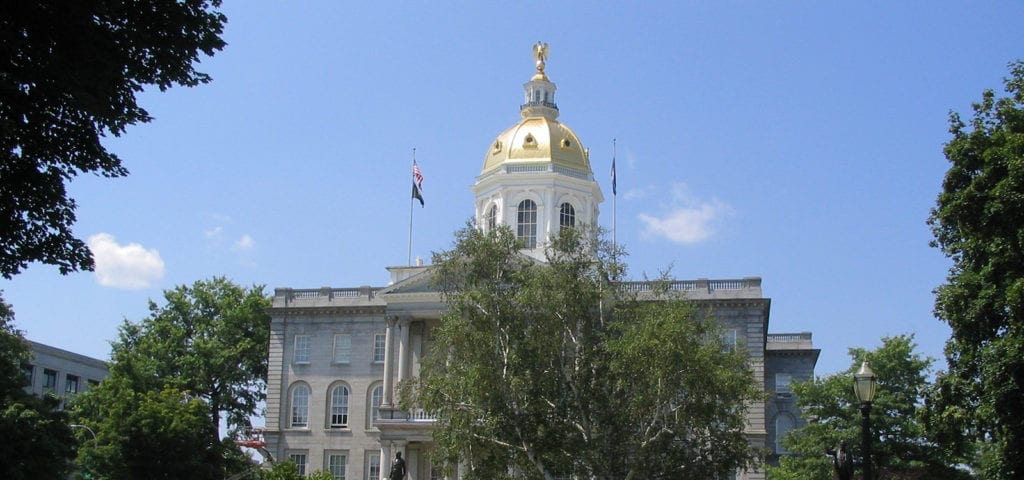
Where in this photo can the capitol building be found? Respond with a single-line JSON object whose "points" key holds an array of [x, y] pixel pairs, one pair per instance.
{"points": [[337, 354]]}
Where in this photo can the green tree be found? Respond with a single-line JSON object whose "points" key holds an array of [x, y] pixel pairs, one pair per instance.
{"points": [[541, 369], [201, 355], [287, 470], [158, 434], [978, 222], [210, 339], [902, 448], [38, 443], [71, 71]]}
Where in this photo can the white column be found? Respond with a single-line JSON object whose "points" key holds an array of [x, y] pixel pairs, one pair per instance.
{"points": [[412, 464], [403, 349], [389, 351], [385, 459]]}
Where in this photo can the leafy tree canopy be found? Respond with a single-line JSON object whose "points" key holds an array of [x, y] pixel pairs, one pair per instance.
{"points": [[540, 369], [287, 470], [978, 222], [902, 448], [201, 354], [210, 339], [38, 443], [69, 73], [158, 434]]}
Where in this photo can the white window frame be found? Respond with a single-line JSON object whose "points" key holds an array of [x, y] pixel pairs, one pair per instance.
{"points": [[295, 457], [332, 467], [342, 348], [303, 349], [373, 466], [298, 414], [339, 406], [380, 344], [526, 222], [566, 215], [376, 398], [491, 218]]}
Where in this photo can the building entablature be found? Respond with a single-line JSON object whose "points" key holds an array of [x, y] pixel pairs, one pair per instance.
{"points": [[327, 314], [326, 297]]}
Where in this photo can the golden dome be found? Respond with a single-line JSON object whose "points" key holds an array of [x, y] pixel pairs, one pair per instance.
{"points": [[538, 140]]}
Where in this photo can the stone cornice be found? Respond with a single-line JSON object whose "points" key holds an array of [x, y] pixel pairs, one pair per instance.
{"points": [[327, 310]]}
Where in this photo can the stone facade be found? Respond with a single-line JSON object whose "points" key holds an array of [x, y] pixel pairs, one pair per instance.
{"points": [[337, 355], [60, 372], [367, 340]]}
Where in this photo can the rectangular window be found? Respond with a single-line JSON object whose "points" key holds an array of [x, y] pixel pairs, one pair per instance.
{"points": [[373, 466], [29, 371], [782, 381], [342, 348], [729, 339], [303, 347], [49, 380], [378, 348], [299, 459], [71, 384], [336, 465]]}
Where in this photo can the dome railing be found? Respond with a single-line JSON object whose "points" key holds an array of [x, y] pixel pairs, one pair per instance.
{"points": [[539, 104]]}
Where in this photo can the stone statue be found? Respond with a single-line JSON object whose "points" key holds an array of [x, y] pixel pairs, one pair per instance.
{"points": [[397, 468], [540, 53], [841, 462]]}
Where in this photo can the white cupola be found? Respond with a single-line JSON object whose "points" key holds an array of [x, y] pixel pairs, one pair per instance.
{"points": [[536, 176]]}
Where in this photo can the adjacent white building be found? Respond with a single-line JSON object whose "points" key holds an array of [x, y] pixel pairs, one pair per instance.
{"points": [[58, 372], [337, 355]]}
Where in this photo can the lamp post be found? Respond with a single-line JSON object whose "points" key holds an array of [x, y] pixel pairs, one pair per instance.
{"points": [[864, 386], [95, 440]]}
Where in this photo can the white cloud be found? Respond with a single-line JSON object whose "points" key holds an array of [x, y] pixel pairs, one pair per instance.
{"points": [[213, 232], [688, 220], [130, 266], [244, 244]]}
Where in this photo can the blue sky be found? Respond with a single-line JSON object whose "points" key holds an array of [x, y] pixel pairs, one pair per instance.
{"points": [[796, 141]]}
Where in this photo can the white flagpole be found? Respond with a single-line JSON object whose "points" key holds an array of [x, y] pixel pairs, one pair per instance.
{"points": [[614, 195], [411, 198]]}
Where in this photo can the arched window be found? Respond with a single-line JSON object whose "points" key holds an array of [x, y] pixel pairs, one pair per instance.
{"points": [[526, 223], [376, 398], [784, 423], [492, 218], [567, 216], [339, 407], [299, 407]]}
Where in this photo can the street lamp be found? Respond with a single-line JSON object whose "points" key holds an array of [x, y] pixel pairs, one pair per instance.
{"points": [[95, 440], [864, 386]]}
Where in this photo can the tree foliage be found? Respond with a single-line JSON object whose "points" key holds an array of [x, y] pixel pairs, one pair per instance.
{"points": [[978, 222], [38, 443], [69, 73], [287, 470], [541, 369], [902, 448], [201, 354], [159, 434], [210, 339]]}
